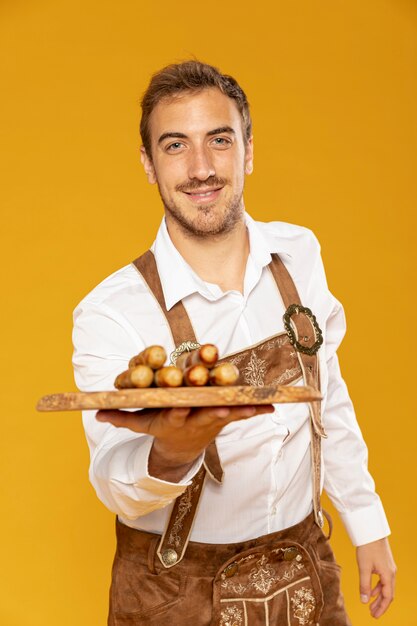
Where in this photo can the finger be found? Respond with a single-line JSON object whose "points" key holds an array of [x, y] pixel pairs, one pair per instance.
{"points": [[230, 413], [384, 598], [241, 412], [246, 411], [105, 415], [177, 417], [265, 408], [376, 590], [208, 414], [365, 575], [221, 415], [140, 421], [379, 607], [137, 420]]}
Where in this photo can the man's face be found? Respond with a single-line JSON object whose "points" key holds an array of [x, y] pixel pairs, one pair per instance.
{"points": [[199, 161]]}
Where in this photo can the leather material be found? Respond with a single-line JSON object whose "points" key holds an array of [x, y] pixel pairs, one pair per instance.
{"points": [[220, 585]]}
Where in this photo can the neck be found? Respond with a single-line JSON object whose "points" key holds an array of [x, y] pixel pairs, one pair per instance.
{"points": [[219, 259]]}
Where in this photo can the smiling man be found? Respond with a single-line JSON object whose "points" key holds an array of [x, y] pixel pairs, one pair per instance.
{"points": [[218, 509], [200, 174]]}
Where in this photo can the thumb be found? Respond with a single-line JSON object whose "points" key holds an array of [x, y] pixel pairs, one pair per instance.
{"points": [[365, 580]]}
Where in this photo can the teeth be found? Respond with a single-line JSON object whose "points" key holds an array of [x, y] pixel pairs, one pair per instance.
{"points": [[206, 193]]}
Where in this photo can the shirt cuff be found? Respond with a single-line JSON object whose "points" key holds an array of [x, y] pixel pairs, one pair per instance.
{"points": [[144, 480], [367, 524]]}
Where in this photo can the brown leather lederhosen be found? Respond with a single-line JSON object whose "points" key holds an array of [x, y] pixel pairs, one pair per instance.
{"points": [[289, 577]]}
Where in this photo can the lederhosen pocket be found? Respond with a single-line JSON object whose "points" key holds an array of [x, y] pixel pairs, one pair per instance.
{"points": [[138, 595], [266, 586]]}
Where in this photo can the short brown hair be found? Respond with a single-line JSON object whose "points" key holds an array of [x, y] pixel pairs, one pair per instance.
{"points": [[190, 76]]}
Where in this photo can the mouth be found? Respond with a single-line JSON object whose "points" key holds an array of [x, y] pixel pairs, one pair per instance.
{"points": [[204, 195]]}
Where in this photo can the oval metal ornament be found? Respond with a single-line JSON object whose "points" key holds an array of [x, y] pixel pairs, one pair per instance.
{"points": [[296, 309]]}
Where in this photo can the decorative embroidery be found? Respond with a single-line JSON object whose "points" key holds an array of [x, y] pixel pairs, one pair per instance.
{"points": [[247, 558], [293, 569], [184, 507], [237, 588], [237, 359], [289, 373], [231, 616], [263, 577], [303, 604], [277, 342], [254, 372]]}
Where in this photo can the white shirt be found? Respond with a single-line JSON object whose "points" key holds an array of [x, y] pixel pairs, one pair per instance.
{"points": [[267, 484]]}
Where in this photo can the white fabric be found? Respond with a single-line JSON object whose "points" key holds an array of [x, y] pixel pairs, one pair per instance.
{"points": [[266, 459]]}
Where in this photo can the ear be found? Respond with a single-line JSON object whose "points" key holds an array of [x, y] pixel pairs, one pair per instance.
{"points": [[249, 156], [147, 166]]}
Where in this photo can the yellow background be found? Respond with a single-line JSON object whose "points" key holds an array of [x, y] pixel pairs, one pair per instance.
{"points": [[332, 85]]}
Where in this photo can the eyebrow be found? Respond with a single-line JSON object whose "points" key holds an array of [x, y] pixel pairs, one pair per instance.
{"points": [[171, 135], [215, 131], [220, 130]]}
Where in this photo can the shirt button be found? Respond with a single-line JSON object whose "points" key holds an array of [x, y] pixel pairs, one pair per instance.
{"points": [[273, 510]]}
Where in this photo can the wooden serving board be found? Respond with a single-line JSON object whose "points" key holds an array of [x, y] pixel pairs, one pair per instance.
{"points": [[176, 397]]}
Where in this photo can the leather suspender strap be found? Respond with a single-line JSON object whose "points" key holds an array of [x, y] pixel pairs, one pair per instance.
{"points": [[306, 334], [178, 320], [182, 331], [174, 541]]}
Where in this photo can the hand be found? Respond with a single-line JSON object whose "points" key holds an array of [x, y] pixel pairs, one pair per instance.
{"points": [[180, 434], [376, 558]]}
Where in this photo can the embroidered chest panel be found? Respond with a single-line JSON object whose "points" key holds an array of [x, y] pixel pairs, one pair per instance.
{"points": [[271, 362]]}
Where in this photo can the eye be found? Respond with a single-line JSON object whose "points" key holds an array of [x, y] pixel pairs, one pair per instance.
{"points": [[222, 142], [174, 147]]}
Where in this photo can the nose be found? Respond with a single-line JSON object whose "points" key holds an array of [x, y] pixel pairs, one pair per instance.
{"points": [[200, 164]]}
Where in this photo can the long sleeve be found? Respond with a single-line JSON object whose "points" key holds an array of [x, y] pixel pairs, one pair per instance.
{"points": [[347, 480], [103, 343]]}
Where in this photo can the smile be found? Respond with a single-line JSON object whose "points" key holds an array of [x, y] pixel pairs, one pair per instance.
{"points": [[204, 195]]}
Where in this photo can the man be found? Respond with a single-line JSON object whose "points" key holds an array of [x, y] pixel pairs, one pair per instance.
{"points": [[219, 520]]}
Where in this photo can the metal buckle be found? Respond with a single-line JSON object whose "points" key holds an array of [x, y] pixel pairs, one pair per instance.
{"points": [[318, 335], [185, 346]]}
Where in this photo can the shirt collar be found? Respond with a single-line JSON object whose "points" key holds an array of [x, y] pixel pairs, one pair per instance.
{"points": [[179, 280]]}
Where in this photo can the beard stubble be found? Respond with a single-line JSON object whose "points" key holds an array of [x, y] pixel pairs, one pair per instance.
{"points": [[206, 221]]}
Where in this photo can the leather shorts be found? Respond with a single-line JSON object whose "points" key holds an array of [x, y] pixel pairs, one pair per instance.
{"points": [[288, 578]]}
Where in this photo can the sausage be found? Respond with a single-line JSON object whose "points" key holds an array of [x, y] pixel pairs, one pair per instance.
{"points": [[196, 376], [154, 356], [224, 374], [169, 376], [206, 355], [139, 376]]}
